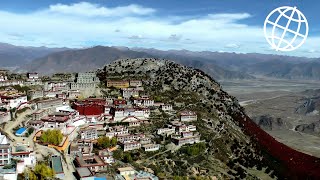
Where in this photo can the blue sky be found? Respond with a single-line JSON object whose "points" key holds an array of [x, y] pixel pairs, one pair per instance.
{"points": [[198, 25]]}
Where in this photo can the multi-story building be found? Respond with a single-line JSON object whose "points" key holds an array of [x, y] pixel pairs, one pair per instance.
{"points": [[167, 107], [128, 93], [11, 83], [94, 163], [166, 131], [52, 93], [186, 138], [33, 79], [14, 100], [33, 75], [126, 171], [118, 84], [56, 120], [145, 140], [49, 103], [38, 114], [140, 113], [135, 83], [34, 94], [90, 106], [3, 77], [23, 153], [81, 147], [119, 103], [129, 146], [55, 86], [116, 130], [188, 116], [129, 137], [148, 102], [5, 150], [87, 80], [38, 124], [87, 77], [106, 155], [89, 133], [151, 147], [73, 94]]}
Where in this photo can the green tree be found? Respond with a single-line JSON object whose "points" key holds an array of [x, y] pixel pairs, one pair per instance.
{"points": [[51, 136], [103, 142], [127, 158], [43, 171], [118, 154], [31, 175], [40, 172], [30, 130], [113, 141]]}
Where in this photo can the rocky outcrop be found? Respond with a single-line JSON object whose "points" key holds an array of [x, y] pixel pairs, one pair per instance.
{"points": [[268, 122], [313, 128]]}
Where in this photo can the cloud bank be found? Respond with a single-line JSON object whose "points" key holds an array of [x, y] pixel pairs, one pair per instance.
{"points": [[86, 24]]}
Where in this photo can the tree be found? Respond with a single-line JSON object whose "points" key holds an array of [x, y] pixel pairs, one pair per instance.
{"points": [[31, 175], [103, 142], [127, 158], [113, 141], [30, 130], [41, 172], [51, 136], [118, 154]]}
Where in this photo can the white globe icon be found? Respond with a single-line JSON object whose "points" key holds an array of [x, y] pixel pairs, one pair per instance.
{"points": [[286, 28]]}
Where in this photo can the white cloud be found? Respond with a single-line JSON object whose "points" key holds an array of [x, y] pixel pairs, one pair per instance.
{"points": [[230, 17], [86, 24], [232, 46], [89, 9]]}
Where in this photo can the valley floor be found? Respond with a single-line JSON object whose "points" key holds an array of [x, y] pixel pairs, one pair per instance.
{"points": [[279, 99]]}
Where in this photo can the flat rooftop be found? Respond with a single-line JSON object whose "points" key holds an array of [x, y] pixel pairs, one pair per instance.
{"points": [[89, 161], [57, 164], [84, 172]]}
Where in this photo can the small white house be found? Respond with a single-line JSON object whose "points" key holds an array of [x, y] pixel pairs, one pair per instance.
{"points": [[166, 107], [151, 147], [17, 101], [126, 171]]}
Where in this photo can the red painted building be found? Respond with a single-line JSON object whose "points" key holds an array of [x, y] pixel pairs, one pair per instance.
{"points": [[91, 106], [119, 103]]}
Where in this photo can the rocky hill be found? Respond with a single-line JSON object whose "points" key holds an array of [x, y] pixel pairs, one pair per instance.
{"points": [[236, 148]]}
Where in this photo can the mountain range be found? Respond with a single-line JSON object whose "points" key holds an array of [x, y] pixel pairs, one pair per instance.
{"points": [[220, 65], [13, 56]]}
